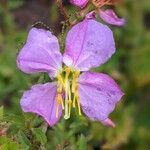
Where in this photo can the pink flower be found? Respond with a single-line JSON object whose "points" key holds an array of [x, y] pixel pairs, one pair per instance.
{"points": [[107, 16], [110, 17], [79, 3], [88, 44]]}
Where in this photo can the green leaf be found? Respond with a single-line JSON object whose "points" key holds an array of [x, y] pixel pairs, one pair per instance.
{"points": [[1, 112], [24, 141], [40, 136], [82, 143], [8, 144]]}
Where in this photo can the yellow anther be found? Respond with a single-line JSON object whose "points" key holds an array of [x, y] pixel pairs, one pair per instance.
{"points": [[77, 73], [76, 87], [60, 79], [74, 82], [59, 90], [67, 70], [73, 86], [59, 100]]}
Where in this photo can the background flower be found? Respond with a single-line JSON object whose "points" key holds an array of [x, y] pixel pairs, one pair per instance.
{"points": [[79, 3], [110, 17], [107, 15]]}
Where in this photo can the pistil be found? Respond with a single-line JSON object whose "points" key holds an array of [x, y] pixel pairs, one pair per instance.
{"points": [[66, 116]]}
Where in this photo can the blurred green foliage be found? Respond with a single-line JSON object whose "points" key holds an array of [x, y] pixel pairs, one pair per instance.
{"points": [[130, 66]]}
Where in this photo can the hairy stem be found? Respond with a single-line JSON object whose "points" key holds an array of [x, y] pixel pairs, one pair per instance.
{"points": [[62, 9]]}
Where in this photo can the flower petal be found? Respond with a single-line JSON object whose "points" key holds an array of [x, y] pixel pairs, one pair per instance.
{"points": [[88, 44], [110, 17], [41, 100], [98, 95], [108, 122], [79, 3], [91, 15], [40, 53]]}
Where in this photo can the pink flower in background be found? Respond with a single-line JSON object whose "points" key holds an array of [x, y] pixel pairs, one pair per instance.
{"points": [[107, 16], [110, 17], [79, 3], [88, 44]]}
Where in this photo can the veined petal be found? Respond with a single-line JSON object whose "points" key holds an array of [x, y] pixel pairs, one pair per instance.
{"points": [[79, 3], [88, 44], [40, 53], [98, 94], [41, 99], [110, 17]]}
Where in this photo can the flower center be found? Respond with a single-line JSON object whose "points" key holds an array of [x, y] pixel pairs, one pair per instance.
{"points": [[67, 88]]}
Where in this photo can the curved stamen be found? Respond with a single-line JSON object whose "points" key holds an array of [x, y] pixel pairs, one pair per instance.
{"points": [[67, 92], [75, 91], [59, 101], [68, 82], [66, 101], [59, 98]]}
